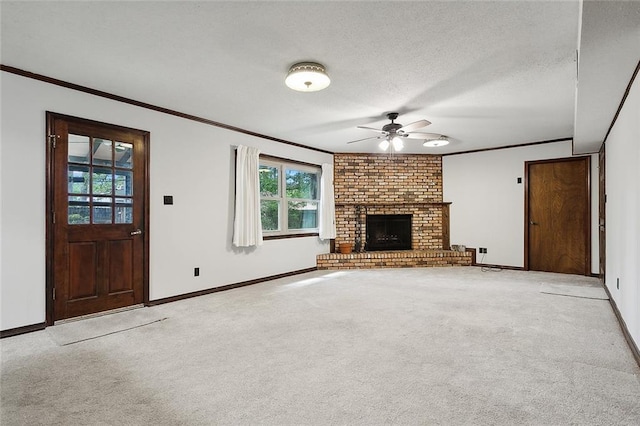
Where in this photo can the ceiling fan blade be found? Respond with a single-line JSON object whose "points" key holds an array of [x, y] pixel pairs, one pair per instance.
{"points": [[415, 125], [417, 135], [365, 139], [369, 128]]}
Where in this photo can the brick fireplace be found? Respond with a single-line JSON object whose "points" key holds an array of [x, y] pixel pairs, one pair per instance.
{"points": [[391, 184], [370, 184]]}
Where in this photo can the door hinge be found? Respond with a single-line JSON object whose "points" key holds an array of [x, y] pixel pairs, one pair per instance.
{"points": [[54, 293], [53, 217], [53, 139]]}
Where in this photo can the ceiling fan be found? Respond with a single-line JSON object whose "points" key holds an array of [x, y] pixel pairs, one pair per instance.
{"points": [[392, 134]]}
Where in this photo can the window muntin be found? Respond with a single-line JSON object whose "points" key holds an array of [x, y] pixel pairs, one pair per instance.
{"points": [[289, 197]]}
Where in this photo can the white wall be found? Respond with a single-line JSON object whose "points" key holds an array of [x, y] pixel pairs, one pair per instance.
{"points": [[623, 212], [487, 207], [191, 161]]}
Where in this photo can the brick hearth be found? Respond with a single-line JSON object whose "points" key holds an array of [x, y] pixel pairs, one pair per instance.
{"points": [[393, 259]]}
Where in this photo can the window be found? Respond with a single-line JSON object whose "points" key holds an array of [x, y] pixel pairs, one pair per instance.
{"points": [[289, 197], [99, 181]]}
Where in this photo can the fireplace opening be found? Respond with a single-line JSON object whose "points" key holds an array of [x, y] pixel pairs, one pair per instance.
{"points": [[388, 232]]}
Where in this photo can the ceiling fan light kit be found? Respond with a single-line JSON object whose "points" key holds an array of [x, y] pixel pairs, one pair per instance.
{"points": [[394, 133], [397, 144], [307, 77]]}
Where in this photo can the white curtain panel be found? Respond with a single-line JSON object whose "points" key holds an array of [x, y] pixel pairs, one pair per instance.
{"points": [[327, 225], [247, 224]]}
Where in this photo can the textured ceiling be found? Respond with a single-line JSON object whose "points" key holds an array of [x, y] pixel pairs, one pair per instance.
{"points": [[487, 74], [609, 52]]}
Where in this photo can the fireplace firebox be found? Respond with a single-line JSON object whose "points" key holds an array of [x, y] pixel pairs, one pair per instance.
{"points": [[388, 232]]}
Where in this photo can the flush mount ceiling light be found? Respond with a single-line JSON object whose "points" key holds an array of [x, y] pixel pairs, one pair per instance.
{"points": [[441, 141], [307, 77]]}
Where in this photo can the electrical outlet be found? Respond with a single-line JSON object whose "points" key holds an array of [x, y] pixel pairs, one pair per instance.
{"points": [[196, 272], [483, 250]]}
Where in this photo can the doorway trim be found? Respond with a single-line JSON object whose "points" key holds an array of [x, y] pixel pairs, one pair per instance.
{"points": [[602, 214], [587, 229], [49, 207]]}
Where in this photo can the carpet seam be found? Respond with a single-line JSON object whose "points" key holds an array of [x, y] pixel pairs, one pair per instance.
{"points": [[571, 295], [113, 332]]}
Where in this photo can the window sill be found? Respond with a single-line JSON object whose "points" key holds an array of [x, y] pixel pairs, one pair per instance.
{"points": [[283, 236]]}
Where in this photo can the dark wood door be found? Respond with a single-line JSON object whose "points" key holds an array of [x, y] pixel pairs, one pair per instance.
{"points": [[98, 248], [557, 216], [602, 199]]}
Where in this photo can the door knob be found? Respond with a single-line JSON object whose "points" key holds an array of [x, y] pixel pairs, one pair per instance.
{"points": [[532, 222], [136, 232]]}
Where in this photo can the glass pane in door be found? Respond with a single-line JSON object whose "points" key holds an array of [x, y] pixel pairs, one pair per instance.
{"points": [[124, 155], [78, 210], [102, 208], [78, 179], [102, 152], [124, 182], [79, 149], [97, 170], [124, 210], [102, 181]]}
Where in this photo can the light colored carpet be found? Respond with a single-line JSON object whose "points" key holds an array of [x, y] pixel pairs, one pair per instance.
{"points": [[99, 326], [441, 346]]}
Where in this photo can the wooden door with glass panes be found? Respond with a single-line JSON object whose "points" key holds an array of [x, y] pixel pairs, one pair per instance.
{"points": [[97, 185]]}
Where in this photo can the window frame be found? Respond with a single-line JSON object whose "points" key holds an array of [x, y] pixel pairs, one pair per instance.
{"points": [[282, 165]]}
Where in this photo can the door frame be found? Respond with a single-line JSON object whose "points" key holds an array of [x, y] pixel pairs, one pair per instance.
{"points": [[49, 207], [602, 213], [587, 229]]}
